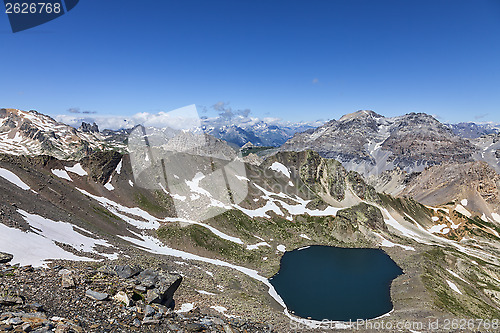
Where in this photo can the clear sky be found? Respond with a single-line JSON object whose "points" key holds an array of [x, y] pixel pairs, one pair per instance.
{"points": [[296, 60]]}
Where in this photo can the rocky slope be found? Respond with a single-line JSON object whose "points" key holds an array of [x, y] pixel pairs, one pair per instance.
{"points": [[79, 297]]}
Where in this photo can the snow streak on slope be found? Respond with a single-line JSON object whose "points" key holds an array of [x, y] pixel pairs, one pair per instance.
{"points": [[154, 245], [454, 287], [144, 220], [13, 178], [272, 205], [388, 243], [212, 229]]}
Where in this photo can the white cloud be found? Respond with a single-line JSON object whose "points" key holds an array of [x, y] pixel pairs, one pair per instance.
{"points": [[183, 118]]}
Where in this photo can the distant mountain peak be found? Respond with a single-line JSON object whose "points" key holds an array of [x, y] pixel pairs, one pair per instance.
{"points": [[360, 114]]}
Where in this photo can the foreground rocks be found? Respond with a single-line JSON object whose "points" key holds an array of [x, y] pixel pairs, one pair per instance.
{"points": [[5, 257], [90, 297]]}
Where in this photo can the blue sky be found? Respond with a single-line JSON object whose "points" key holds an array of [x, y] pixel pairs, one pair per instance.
{"points": [[295, 60]]}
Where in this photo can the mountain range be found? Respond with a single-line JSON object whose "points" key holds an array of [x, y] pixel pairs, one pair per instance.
{"points": [[418, 189]]}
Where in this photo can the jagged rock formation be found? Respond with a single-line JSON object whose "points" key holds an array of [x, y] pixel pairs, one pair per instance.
{"points": [[88, 128]]}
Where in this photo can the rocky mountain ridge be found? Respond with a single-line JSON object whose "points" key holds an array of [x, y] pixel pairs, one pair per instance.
{"points": [[369, 143], [32, 133]]}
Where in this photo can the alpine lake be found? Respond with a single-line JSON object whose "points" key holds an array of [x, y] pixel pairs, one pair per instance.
{"points": [[337, 284]]}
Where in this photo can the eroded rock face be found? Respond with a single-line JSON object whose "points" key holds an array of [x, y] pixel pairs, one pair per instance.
{"points": [[349, 220], [441, 184], [324, 176], [102, 164]]}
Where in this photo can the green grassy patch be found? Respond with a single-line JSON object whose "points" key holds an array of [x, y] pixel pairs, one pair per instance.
{"points": [[147, 204], [106, 214]]}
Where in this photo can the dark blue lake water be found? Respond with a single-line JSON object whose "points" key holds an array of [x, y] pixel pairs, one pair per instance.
{"points": [[324, 282]]}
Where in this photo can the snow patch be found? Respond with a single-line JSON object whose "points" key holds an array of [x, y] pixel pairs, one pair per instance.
{"points": [[390, 220], [149, 221], [304, 236], [119, 167], [77, 168], [39, 245], [461, 209], [281, 248], [61, 174], [242, 178], [222, 310], [33, 249], [388, 243], [13, 178], [299, 208], [278, 167], [219, 308], [209, 227], [186, 307], [256, 246], [438, 228], [194, 185], [178, 197], [453, 287], [456, 275]]}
